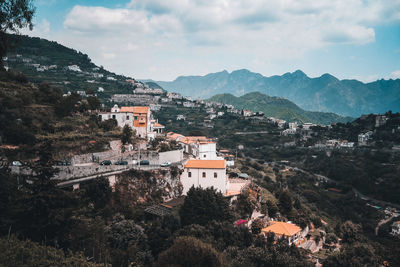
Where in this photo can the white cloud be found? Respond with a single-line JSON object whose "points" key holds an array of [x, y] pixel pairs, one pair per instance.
{"points": [[202, 36], [41, 29]]}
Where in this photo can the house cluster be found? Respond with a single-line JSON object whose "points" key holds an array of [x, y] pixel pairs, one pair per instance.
{"points": [[139, 118], [199, 147], [293, 233], [204, 167], [281, 123], [363, 138], [334, 143]]}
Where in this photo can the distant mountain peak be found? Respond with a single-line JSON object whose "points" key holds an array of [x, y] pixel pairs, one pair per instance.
{"points": [[328, 77], [325, 93], [299, 73]]}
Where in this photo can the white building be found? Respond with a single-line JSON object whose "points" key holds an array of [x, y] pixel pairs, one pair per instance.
{"points": [[293, 125], [364, 137], [138, 118], [180, 117], [204, 150], [246, 113], [148, 91], [205, 173], [346, 144], [189, 104], [396, 228], [74, 68], [380, 120], [174, 95], [288, 132], [308, 125], [155, 107]]}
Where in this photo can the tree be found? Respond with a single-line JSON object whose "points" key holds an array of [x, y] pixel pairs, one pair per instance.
{"points": [[286, 201], [109, 125], [98, 191], [128, 242], [272, 208], [204, 205], [357, 254], [94, 102], [14, 252], [257, 225], [189, 251], [14, 15], [67, 105], [350, 232], [126, 134]]}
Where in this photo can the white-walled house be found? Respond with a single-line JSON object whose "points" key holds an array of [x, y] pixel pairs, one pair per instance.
{"points": [[204, 150], [139, 118], [395, 228], [205, 173]]}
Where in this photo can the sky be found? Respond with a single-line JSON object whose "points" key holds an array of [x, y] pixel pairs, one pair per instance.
{"points": [[164, 39]]}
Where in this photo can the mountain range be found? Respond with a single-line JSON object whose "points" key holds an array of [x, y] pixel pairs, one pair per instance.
{"points": [[277, 107], [325, 93]]}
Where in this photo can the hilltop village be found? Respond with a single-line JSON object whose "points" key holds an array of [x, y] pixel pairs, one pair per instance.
{"points": [[130, 172]]}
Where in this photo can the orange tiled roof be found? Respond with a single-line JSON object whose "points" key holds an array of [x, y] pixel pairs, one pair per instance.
{"points": [[232, 193], [174, 136], [135, 109], [193, 139], [205, 164], [282, 228], [158, 125]]}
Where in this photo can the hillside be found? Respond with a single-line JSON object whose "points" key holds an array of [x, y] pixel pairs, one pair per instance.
{"points": [[278, 107], [32, 115], [325, 93], [65, 68]]}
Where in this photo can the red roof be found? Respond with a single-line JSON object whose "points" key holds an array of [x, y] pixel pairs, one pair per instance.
{"points": [[135, 109], [282, 228], [205, 164]]}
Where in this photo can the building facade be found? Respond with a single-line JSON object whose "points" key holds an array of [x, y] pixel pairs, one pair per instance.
{"points": [[139, 118], [205, 173]]}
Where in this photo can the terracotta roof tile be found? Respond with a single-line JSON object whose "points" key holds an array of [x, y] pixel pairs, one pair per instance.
{"points": [[205, 164], [135, 109], [158, 125], [282, 228]]}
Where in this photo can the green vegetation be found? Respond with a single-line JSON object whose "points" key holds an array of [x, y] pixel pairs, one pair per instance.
{"points": [[277, 107], [325, 93], [56, 58], [33, 114], [14, 252], [14, 15]]}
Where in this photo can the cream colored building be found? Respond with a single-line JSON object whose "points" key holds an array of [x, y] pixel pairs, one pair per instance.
{"points": [[205, 173]]}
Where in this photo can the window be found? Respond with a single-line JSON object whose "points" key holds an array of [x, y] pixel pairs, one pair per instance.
{"points": [[204, 175], [100, 117], [204, 155], [135, 118], [113, 116], [215, 175], [127, 117], [189, 174]]}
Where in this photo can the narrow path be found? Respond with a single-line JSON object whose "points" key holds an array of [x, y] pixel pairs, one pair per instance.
{"points": [[249, 133], [383, 222]]}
